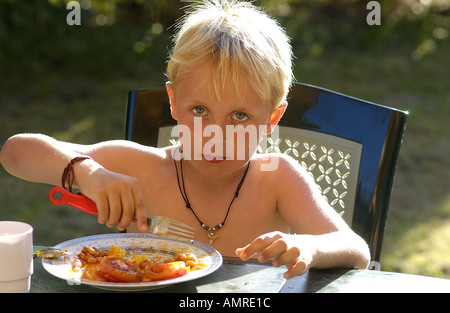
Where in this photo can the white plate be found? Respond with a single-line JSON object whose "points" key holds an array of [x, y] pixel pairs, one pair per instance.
{"points": [[163, 246]]}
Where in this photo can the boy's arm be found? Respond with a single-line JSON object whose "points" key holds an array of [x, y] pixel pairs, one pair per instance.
{"points": [[322, 239], [37, 158], [42, 159], [298, 252]]}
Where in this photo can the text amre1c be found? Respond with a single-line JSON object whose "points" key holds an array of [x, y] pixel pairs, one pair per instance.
{"points": [[231, 302]]}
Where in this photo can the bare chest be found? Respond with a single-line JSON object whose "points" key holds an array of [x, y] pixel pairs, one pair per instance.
{"points": [[250, 215]]}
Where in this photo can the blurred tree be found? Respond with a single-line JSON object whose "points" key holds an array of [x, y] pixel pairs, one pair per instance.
{"points": [[318, 25], [118, 36]]}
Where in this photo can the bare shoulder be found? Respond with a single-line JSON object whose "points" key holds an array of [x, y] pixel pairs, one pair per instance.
{"points": [[299, 199], [284, 175], [281, 166]]}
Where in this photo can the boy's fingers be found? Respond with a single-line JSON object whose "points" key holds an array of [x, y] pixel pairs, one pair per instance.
{"points": [[257, 245], [103, 210], [299, 268], [240, 252], [288, 257], [127, 211], [115, 209], [140, 210], [250, 250], [142, 223], [273, 251]]}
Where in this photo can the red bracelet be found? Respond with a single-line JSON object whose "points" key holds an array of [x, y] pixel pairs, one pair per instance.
{"points": [[68, 174]]}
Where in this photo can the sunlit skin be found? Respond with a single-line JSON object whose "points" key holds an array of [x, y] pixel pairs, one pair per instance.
{"points": [[126, 179], [191, 100]]}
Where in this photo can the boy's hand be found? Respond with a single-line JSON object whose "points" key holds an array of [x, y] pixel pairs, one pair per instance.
{"points": [[281, 249], [118, 197]]}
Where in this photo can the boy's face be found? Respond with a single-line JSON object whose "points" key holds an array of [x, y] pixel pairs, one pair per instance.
{"points": [[219, 129]]}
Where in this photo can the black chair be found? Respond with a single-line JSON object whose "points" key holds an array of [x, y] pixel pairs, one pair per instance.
{"points": [[348, 145]]}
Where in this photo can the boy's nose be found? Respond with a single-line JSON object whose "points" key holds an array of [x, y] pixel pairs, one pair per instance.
{"points": [[214, 129]]}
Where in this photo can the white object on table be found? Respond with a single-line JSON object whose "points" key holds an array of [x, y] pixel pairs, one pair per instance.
{"points": [[16, 256]]}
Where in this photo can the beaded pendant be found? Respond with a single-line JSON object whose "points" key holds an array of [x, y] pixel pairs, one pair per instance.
{"points": [[211, 231], [211, 235]]}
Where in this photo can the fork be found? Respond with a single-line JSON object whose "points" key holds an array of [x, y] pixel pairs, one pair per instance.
{"points": [[158, 225]]}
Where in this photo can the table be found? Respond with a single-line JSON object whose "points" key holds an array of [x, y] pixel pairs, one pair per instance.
{"points": [[235, 276]]}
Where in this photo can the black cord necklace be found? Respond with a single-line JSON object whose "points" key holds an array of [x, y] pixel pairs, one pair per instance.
{"points": [[211, 235]]}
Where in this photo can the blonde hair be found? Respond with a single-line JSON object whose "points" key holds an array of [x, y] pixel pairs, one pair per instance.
{"points": [[239, 42]]}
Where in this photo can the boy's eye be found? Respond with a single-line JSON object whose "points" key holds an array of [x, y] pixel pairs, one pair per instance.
{"points": [[199, 110], [239, 116]]}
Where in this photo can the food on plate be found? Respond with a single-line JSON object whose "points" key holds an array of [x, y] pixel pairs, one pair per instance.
{"points": [[121, 266]]}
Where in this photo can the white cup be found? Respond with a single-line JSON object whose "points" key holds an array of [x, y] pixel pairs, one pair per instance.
{"points": [[16, 256]]}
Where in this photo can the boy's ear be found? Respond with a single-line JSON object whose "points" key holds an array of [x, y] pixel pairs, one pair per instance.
{"points": [[171, 94], [275, 117]]}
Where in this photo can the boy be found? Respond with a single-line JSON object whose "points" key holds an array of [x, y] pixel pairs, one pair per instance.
{"points": [[230, 66]]}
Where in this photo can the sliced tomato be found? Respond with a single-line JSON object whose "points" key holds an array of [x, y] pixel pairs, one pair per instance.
{"points": [[161, 271], [119, 270]]}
